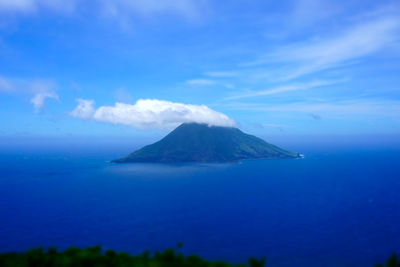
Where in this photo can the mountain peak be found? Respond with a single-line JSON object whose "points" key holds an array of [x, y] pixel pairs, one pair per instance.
{"points": [[199, 124], [197, 142]]}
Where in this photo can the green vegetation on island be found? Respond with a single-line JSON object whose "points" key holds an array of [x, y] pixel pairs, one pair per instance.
{"points": [[193, 142]]}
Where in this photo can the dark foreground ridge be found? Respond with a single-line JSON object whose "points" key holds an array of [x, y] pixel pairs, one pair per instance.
{"points": [[94, 256], [193, 142]]}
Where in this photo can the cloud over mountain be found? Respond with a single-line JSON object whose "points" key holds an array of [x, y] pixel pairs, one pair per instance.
{"points": [[151, 113]]}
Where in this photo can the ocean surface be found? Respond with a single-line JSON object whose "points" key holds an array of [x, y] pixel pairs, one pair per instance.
{"points": [[338, 206]]}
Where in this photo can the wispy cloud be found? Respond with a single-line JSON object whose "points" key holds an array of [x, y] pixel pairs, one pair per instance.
{"points": [[31, 6], [208, 82], [43, 90], [151, 113], [334, 51], [283, 89], [190, 9], [221, 74], [39, 99], [353, 43], [201, 82], [40, 89], [122, 11], [307, 12], [5, 85]]}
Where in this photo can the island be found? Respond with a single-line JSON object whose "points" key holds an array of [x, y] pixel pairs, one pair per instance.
{"points": [[195, 142]]}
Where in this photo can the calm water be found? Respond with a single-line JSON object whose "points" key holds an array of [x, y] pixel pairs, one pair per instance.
{"points": [[335, 207]]}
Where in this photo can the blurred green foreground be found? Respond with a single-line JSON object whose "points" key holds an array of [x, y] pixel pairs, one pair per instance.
{"points": [[94, 256]]}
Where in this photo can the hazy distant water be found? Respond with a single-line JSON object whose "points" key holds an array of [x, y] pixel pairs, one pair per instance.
{"points": [[336, 207]]}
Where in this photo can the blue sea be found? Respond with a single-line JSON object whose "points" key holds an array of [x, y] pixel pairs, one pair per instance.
{"points": [[337, 206]]}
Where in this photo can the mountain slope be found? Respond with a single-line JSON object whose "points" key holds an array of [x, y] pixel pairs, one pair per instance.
{"points": [[192, 142]]}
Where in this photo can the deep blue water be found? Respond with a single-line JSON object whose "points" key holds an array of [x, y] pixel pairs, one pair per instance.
{"points": [[336, 207]]}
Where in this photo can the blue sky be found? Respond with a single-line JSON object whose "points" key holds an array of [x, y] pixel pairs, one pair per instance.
{"points": [[139, 68]]}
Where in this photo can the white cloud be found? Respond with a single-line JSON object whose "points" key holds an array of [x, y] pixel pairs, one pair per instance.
{"points": [[152, 113], [84, 110], [39, 99]]}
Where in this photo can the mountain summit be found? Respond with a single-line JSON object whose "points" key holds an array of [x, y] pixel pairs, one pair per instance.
{"points": [[193, 142]]}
